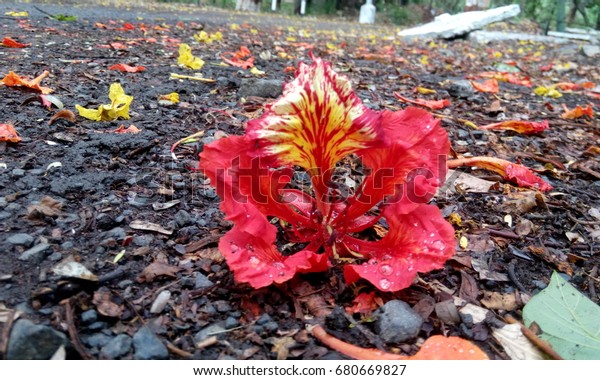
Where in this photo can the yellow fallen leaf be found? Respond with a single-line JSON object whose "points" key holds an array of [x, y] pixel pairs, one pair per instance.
{"points": [[234, 26], [547, 91], [119, 107], [186, 58], [172, 97], [425, 91], [464, 242]]}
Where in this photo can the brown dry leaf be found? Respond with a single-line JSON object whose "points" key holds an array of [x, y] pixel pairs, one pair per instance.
{"points": [[63, 114], [47, 207], [447, 312], [6, 312], [211, 253], [468, 287], [524, 227], [425, 306], [515, 344], [481, 265], [495, 108], [157, 269], [500, 301], [521, 203], [104, 304], [148, 226]]}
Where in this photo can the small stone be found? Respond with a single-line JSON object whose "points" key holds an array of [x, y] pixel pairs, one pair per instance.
{"points": [[590, 50], [160, 302], [97, 326], [36, 254], [231, 323], [143, 240], [183, 218], [96, 340], [209, 331], [179, 185], [37, 171], [18, 173], [3, 202], [147, 345], [265, 318], [104, 221], [397, 322], [271, 327], [88, 317], [222, 306], [461, 89], [119, 346], [29, 341], [56, 256], [116, 233], [264, 88], [202, 282], [21, 239]]}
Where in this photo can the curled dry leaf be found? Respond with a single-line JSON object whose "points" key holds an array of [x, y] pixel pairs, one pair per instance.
{"points": [[157, 269], [63, 114], [131, 129], [432, 104], [525, 127], [72, 269], [577, 112], [490, 85], [9, 133], [14, 80], [103, 299]]}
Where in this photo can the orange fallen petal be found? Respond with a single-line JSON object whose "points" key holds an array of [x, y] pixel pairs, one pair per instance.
{"points": [[63, 114], [9, 133], [127, 68], [510, 171], [490, 85], [14, 80], [435, 348], [432, 104], [577, 112], [567, 86], [9, 42], [131, 129], [526, 127]]}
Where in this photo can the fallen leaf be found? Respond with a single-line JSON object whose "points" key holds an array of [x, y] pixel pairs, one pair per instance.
{"points": [[17, 14], [14, 80], [577, 112], [515, 344], [242, 58], [157, 269], [46, 207], [72, 269], [148, 226], [281, 346], [364, 303], [168, 99], [425, 91], [567, 318], [118, 108], [547, 91], [9, 133], [500, 301], [131, 129], [103, 299]]}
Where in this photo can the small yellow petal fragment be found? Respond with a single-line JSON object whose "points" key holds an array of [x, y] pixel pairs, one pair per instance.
{"points": [[464, 243], [187, 59]]}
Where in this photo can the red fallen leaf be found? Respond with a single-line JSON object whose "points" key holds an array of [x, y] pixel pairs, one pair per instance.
{"points": [[364, 303], [9, 42], [587, 85], [127, 68], [490, 85], [593, 94], [118, 46], [568, 86], [131, 129], [432, 104], [9, 133], [180, 25], [437, 347], [510, 171], [241, 58], [14, 80], [547, 67], [525, 127], [577, 112], [126, 26]]}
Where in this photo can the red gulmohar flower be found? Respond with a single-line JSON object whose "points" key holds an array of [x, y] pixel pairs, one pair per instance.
{"points": [[316, 123]]}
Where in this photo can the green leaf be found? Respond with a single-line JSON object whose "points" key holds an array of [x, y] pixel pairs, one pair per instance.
{"points": [[61, 17], [569, 321], [506, 68]]}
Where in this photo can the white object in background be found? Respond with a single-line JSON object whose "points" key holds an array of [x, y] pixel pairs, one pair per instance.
{"points": [[303, 7], [367, 13], [273, 5]]}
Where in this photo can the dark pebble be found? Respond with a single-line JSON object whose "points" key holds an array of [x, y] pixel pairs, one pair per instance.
{"points": [[96, 340], [231, 322], [21, 239], [97, 326], [118, 346], [265, 318], [183, 218], [202, 282], [36, 254], [148, 346], [29, 341], [222, 306], [397, 322], [209, 331], [88, 317]]}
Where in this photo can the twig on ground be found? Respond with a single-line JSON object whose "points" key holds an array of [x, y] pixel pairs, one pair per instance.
{"points": [[583, 222], [73, 331], [6, 333], [513, 277], [540, 343], [178, 351]]}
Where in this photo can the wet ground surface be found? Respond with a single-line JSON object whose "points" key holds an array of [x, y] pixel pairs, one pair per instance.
{"points": [[146, 226]]}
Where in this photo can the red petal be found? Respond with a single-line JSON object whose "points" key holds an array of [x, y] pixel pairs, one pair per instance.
{"points": [[510, 171], [433, 104], [577, 112], [526, 127], [364, 303], [12, 79], [415, 159], [9, 42], [490, 85], [127, 68], [252, 256], [419, 241]]}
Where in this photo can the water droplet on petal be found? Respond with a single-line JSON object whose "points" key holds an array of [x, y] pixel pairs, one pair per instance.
{"points": [[278, 265], [254, 260], [386, 257], [386, 270], [249, 247], [234, 247], [384, 284], [438, 245], [372, 262]]}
